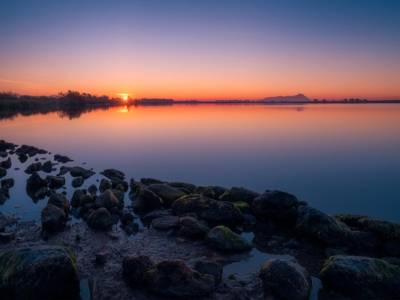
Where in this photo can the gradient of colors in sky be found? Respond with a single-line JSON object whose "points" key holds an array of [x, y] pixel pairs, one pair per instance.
{"points": [[204, 49]]}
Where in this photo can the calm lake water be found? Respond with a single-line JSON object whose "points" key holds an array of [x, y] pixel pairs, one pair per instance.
{"points": [[339, 158]]}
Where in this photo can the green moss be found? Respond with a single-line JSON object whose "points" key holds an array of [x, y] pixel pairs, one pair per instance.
{"points": [[387, 270], [242, 206]]}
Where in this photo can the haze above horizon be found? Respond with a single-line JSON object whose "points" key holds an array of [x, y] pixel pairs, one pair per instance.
{"points": [[202, 49]]}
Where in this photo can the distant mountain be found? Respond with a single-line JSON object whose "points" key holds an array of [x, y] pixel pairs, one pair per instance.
{"points": [[299, 98]]}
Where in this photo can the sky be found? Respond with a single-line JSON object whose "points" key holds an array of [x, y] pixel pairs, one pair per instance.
{"points": [[202, 49]]}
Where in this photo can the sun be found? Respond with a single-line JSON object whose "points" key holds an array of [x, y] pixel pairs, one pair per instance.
{"points": [[124, 96]]}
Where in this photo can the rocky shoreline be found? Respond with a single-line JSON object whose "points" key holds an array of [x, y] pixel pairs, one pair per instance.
{"points": [[119, 238]]}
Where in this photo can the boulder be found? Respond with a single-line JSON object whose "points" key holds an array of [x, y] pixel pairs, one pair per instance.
{"points": [[166, 192], [113, 174], [55, 182], [276, 205], [3, 172], [223, 239], [148, 218], [192, 228], [239, 194], [63, 170], [7, 183], [285, 279], [361, 277], [134, 269], [81, 172], [33, 167], [60, 201], [6, 164], [175, 279], [108, 200], [211, 268], [183, 186], [213, 192], [34, 184], [165, 223], [148, 181], [53, 218], [92, 189], [105, 184], [77, 197], [29, 150], [40, 272], [321, 227], [77, 181], [100, 219], [4, 195], [145, 201], [210, 210], [243, 206], [61, 158], [47, 167]]}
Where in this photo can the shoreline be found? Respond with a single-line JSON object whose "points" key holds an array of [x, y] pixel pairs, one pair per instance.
{"points": [[188, 232]]}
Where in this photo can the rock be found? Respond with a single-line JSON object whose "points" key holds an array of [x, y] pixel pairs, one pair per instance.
{"points": [[6, 221], [145, 201], [285, 279], [361, 277], [320, 226], [113, 174], [4, 146], [105, 184], [4, 195], [6, 237], [192, 228], [165, 223], [148, 218], [47, 167], [60, 201], [148, 181], [127, 218], [77, 181], [61, 158], [108, 200], [81, 172], [213, 192], [22, 157], [244, 207], [40, 272], [29, 150], [63, 170], [77, 197], [7, 183], [92, 189], [100, 219], [33, 167], [223, 239], [183, 186], [167, 193], [134, 269], [119, 184], [239, 194], [276, 205], [6, 164], [35, 183], [213, 211], [211, 268], [101, 257], [175, 279], [3, 172], [53, 218], [55, 182]]}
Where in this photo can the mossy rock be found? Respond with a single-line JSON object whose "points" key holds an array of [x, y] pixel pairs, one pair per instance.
{"points": [[223, 239], [242, 206]]}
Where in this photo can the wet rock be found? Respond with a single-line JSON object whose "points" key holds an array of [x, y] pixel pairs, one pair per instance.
{"points": [[6, 221], [100, 219], [6, 237], [92, 189], [105, 184], [146, 201], [55, 182], [77, 181], [29, 150], [6, 164], [63, 170], [285, 279], [60, 201], [3, 154], [4, 195], [119, 184], [223, 239], [108, 200], [239, 194], [213, 192], [148, 181], [175, 279], [213, 211], [244, 207], [127, 218], [165, 223], [192, 228], [3, 172], [41, 272], [34, 184], [47, 167], [211, 268], [361, 277], [134, 269], [167, 193], [276, 205], [33, 167], [61, 158], [4, 146], [148, 218], [321, 227], [183, 186], [113, 174], [7, 183], [101, 257], [77, 197], [53, 218], [81, 172], [22, 157]]}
